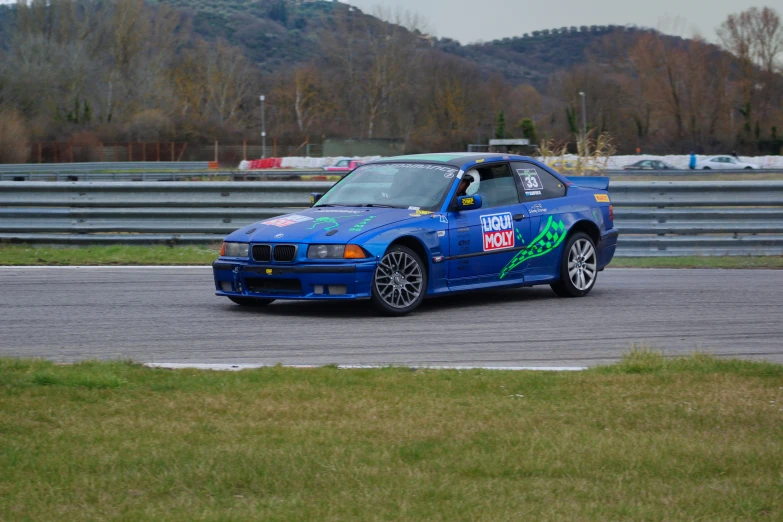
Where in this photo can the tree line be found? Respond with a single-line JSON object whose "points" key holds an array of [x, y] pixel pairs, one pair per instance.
{"points": [[94, 71]]}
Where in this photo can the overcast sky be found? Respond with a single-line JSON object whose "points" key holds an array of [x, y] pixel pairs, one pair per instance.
{"points": [[472, 20]]}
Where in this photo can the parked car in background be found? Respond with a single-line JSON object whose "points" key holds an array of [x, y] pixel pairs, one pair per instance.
{"points": [[649, 165], [344, 165], [724, 162]]}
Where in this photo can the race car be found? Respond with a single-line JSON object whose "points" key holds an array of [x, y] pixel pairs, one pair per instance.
{"points": [[399, 230]]}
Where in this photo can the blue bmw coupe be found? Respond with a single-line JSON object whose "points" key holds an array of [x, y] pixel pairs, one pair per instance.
{"points": [[398, 230]]}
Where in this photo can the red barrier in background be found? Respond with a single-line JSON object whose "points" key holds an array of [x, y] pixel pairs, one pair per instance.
{"points": [[266, 163]]}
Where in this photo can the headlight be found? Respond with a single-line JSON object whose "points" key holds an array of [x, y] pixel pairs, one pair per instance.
{"points": [[325, 251], [234, 249], [336, 252]]}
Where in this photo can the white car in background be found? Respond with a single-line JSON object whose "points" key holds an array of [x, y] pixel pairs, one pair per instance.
{"points": [[724, 162]]}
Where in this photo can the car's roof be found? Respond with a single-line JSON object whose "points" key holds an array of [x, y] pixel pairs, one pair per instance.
{"points": [[456, 159]]}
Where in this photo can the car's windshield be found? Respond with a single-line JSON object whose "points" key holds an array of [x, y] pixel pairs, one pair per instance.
{"points": [[403, 185]]}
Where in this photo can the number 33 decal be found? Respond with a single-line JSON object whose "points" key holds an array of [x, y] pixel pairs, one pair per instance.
{"points": [[529, 179]]}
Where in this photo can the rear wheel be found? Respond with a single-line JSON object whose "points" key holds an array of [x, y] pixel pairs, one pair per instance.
{"points": [[400, 282], [250, 301], [579, 267]]}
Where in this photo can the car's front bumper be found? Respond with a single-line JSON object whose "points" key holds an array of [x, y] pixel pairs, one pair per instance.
{"points": [[294, 281]]}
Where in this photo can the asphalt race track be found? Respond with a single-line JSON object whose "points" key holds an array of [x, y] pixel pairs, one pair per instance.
{"points": [[171, 315]]}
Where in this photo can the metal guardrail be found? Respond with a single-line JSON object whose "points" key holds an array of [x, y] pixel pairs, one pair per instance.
{"points": [[28, 169], [687, 172], [195, 175], [178, 171], [655, 218]]}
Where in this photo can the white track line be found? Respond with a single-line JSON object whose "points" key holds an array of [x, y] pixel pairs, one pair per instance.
{"points": [[238, 367]]}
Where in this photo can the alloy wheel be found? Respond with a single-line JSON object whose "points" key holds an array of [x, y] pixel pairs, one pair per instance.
{"points": [[582, 264], [399, 279]]}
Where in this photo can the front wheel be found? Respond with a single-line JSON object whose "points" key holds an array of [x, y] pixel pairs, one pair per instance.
{"points": [[250, 301], [707, 168], [579, 267], [400, 282]]}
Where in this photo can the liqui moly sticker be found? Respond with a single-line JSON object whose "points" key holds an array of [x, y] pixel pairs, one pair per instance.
{"points": [[498, 231], [284, 221]]}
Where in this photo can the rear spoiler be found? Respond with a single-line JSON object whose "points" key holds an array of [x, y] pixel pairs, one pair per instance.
{"points": [[593, 182]]}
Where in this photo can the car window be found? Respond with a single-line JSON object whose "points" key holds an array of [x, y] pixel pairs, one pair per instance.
{"points": [[342, 163], [404, 185], [644, 164], [535, 183], [497, 186]]}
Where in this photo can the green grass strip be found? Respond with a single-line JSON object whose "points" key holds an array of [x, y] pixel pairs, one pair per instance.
{"points": [[698, 262], [108, 255], [650, 438]]}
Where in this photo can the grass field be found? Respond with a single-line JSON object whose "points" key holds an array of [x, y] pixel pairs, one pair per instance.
{"points": [[698, 262], [647, 439], [108, 255], [204, 255]]}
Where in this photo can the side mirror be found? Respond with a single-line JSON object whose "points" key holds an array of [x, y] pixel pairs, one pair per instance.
{"points": [[314, 197], [468, 202]]}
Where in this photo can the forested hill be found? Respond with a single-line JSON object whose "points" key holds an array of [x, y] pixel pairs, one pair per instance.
{"points": [[276, 33], [534, 57], [279, 33]]}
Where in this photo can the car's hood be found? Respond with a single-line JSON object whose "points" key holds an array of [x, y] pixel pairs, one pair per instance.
{"points": [[323, 224]]}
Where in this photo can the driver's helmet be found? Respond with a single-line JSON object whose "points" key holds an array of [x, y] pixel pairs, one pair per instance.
{"points": [[474, 180]]}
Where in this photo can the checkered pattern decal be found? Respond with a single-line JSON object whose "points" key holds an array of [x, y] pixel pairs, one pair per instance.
{"points": [[550, 238]]}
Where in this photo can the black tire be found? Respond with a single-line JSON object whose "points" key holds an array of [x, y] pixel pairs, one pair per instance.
{"points": [[748, 168], [566, 287], [411, 280], [250, 301], [707, 168]]}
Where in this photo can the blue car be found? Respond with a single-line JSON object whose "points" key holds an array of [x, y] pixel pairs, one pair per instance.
{"points": [[398, 230]]}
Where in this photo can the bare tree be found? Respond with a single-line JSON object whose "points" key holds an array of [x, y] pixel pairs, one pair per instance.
{"points": [[374, 59], [227, 77], [754, 36]]}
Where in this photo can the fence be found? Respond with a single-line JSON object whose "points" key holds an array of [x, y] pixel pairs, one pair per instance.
{"points": [[26, 171], [225, 152], [654, 218]]}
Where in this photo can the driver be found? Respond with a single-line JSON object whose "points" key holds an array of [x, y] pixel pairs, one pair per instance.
{"points": [[470, 180]]}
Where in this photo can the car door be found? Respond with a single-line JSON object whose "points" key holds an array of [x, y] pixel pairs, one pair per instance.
{"points": [[544, 206], [483, 241]]}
